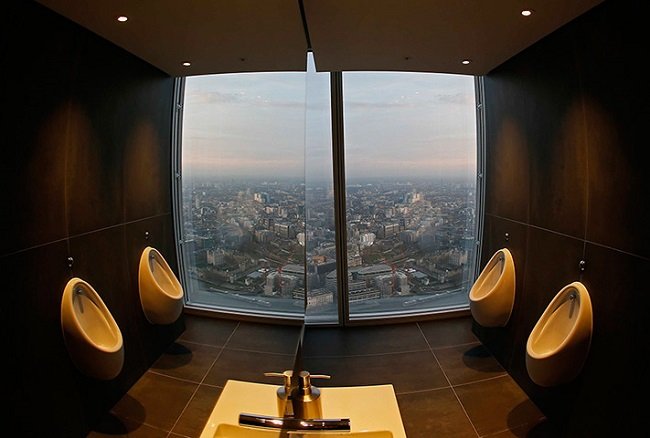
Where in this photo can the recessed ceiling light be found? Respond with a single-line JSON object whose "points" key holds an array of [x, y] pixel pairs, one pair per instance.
{"points": [[527, 12], [465, 61], [187, 64], [122, 18]]}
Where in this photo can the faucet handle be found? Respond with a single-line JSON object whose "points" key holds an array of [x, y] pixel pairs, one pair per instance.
{"points": [[286, 375], [319, 376], [304, 383]]}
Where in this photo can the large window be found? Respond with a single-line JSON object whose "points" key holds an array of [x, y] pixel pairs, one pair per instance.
{"points": [[258, 203], [410, 166], [243, 192]]}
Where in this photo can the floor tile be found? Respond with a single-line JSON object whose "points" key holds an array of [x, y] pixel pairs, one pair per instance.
{"points": [[497, 404], [435, 413], [352, 341], [195, 416], [155, 400], [468, 363], [207, 330], [186, 360], [114, 427], [541, 429], [247, 366], [448, 332], [267, 338], [447, 383], [412, 371]]}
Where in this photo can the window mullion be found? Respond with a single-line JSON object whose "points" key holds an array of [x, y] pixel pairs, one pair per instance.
{"points": [[177, 183], [340, 220]]}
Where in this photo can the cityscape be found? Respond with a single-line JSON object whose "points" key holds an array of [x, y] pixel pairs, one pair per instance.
{"points": [[263, 245]]}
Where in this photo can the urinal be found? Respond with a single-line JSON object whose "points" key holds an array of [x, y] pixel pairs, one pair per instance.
{"points": [[557, 347], [492, 296], [91, 335], [161, 294]]}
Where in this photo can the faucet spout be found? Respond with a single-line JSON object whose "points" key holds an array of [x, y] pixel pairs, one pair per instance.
{"points": [[288, 423]]}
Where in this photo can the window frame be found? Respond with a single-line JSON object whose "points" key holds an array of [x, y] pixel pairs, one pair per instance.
{"points": [[339, 181]]}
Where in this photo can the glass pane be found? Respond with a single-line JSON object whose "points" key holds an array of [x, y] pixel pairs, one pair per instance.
{"points": [[322, 293], [410, 163], [243, 192]]}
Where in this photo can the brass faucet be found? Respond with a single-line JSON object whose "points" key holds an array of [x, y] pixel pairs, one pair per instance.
{"points": [[298, 398], [299, 406], [305, 397], [285, 407]]}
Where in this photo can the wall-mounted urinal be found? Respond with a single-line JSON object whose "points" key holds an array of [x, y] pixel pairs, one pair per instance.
{"points": [[91, 335], [492, 296], [161, 294], [559, 343]]}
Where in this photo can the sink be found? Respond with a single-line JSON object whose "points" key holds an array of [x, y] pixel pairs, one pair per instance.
{"points": [[373, 411], [236, 431]]}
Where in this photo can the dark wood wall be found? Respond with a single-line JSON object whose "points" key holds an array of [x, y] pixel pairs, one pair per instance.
{"points": [[567, 181], [86, 138]]}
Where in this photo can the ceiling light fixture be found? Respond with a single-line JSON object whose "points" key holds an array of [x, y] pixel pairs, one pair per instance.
{"points": [[122, 18], [465, 61], [187, 64], [527, 12]]}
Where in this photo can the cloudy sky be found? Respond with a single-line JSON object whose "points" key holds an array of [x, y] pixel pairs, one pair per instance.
{"points": [[274, 125]]}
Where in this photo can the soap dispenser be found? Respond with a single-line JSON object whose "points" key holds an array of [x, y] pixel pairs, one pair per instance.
{"points": [[306, 397]]}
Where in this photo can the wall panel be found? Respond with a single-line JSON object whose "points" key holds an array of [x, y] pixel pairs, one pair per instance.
{"points": [[86, 145]]}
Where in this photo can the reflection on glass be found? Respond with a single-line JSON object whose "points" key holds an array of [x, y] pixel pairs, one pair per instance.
{"points": [[322, 297], [410, 156], [243, 192]]}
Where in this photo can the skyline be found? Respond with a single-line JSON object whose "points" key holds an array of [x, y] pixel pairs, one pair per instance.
{"points": [[417, 125], [253, 246]]}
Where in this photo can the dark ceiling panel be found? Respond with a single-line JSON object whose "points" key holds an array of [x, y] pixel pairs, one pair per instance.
{"points": [[215, 36], [253, 35]]}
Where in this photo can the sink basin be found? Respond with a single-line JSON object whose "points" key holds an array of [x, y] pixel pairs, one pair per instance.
{"points": [[236, 431], [373, 412]]}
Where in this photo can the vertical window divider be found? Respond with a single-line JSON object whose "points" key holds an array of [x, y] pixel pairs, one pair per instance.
{"points": [[177, 182], [480, 170], [340, 220]]}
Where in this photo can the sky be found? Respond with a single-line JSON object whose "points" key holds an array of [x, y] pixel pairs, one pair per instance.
{"points": [[274, 125]]}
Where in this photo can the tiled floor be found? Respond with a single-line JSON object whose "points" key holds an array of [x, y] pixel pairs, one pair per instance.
{"points": [[447, 384]]}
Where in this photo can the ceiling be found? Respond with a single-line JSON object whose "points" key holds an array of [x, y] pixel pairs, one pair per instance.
{"points": [[225, 36]]}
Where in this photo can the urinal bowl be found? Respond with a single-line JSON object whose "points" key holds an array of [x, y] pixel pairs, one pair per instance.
{"points": [[91, 335], [161, 294], [492, 296], [558, 346]]}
